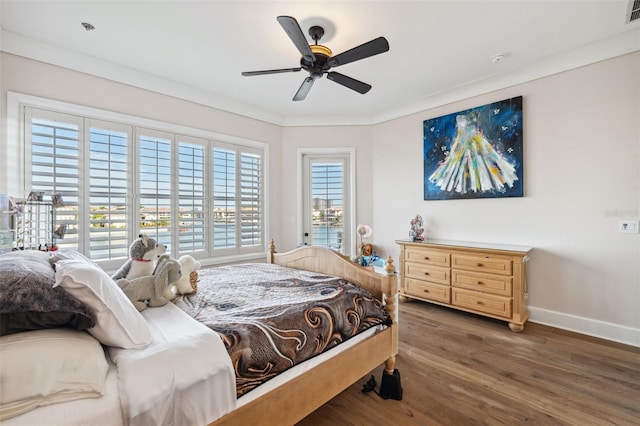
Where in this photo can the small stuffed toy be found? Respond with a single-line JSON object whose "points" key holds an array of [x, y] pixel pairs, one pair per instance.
{"points": [[188, 282], [149, 290], [143, 254]]}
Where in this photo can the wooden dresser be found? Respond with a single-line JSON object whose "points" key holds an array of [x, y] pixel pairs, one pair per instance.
{"points": [[486, 279]]}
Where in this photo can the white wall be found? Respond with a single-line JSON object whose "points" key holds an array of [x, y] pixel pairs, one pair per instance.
{"points": [[581, 175]]}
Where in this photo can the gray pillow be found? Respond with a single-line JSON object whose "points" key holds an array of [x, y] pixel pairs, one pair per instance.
{"points": [[28, 300]]}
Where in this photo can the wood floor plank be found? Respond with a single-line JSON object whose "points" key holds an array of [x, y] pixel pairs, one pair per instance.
{"points": [[462, 369]]}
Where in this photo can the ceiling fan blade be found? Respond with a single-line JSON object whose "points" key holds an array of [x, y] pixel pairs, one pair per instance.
{"points": [[349, 82], [291, 27], [370, 48], [304, 89], [278, 71]]}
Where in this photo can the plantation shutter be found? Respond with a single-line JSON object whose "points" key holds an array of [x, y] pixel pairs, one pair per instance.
{"points": [[109, 194], [326, 191], [250, 199], [326, 201], [116, 180], [224, 198], [191, 195], [53, 164], [155, 185], [237, 199]]}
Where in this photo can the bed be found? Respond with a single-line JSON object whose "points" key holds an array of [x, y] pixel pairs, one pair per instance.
{"points": [[140, 384]]}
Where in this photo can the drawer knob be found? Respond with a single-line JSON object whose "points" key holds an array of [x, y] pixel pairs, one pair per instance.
{"points": [[480, 264], [426, 258], [479, 302], [426, 273], [480, 283], [426, 291]]}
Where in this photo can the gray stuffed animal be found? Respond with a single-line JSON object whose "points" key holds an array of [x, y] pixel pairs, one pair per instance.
{"points": [[150, 290], [143, 254]]}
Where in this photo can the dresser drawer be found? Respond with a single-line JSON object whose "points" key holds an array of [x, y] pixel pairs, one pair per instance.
{"points": [[496, 284], [494, 305], [429, 291], [430, 273], [494, 265], [430, 257]]}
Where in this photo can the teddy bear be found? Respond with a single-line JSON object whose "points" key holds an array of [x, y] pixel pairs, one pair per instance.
{"points": [[188, 282], [149, 290], [143, 255]]}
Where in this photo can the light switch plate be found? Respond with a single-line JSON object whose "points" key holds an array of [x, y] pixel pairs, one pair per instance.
{"points": [[628, 226]]}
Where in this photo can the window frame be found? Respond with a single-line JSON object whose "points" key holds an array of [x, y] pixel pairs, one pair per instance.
{"points": [[17, 146], [348, 154]]}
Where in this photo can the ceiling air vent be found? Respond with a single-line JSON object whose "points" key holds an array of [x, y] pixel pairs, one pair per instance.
{"points": [[633, 11]]}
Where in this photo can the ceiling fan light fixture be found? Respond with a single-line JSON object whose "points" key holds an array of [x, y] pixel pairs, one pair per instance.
{"points": [[321, 50], [87, 26]]}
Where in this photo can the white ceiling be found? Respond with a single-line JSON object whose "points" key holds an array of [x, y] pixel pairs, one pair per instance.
{"points": [[439, 50]]}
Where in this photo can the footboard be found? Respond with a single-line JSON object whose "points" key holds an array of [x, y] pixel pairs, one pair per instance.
{"points": [[325, 261]]}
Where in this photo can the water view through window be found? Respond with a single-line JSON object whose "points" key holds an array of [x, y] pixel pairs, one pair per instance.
{"points": [[327, 192]]}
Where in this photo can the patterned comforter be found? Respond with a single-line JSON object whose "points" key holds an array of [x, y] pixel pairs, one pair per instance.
{"points": [[271, 317]]}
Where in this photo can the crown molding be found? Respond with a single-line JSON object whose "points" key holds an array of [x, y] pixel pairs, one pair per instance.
{"points": [[29, 48], [621, 44]]}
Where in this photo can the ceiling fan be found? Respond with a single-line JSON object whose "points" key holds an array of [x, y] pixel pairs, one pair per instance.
{"points": [[317, 59]]}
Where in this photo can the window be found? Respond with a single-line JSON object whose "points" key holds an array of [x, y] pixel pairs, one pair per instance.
{"points": [[224, 196], [327, 203], [198, 196], [54, 163], [327, 200], [237, 198], [109, 183], [191, 194], [250, 199], [154, 205]]}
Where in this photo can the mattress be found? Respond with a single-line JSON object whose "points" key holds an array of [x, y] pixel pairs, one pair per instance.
{"points": [[272, 318]]}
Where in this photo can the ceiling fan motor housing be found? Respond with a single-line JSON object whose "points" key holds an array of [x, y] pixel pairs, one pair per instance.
{"points": [[320, 66]]}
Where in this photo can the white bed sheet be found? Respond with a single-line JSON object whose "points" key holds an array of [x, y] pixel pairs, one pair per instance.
{"points": [[103, 411], [106, 410], [184, 377]]}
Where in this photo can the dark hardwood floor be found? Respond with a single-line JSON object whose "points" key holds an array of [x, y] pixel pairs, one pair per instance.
{"points": [[463, 369]]}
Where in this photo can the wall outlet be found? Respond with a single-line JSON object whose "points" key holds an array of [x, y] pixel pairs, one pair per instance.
{"points": [[628, 226]]}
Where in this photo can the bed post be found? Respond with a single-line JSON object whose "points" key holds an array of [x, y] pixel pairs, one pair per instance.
{"points": [[271, 252], [391, 387], [390, 297]]}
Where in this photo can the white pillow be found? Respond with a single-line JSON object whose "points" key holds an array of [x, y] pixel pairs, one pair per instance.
{"points": [[119, 324], [44, 367], [66, 254]]}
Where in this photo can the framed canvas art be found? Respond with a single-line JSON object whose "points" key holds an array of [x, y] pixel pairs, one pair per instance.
{"points": [[476, 153]]}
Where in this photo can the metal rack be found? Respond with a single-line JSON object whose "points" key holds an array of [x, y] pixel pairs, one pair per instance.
{"points": [[34, 227]]}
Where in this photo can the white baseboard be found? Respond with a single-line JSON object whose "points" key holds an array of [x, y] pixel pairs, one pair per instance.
{"points": [[591, 327]]}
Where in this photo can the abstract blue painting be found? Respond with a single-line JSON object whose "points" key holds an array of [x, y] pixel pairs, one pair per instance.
{"points": [[476, 153]]}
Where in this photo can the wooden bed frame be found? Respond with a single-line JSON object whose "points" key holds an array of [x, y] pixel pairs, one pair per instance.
{"points": [[299, 397]]}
